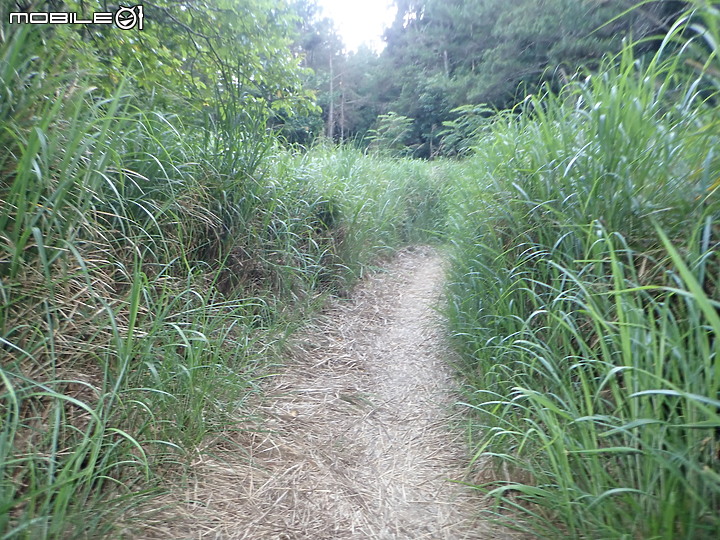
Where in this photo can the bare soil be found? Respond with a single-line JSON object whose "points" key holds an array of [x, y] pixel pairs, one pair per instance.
{"points": [[354, 438]]}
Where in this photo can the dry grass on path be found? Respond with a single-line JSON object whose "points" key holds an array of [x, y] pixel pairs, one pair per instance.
{"points": [[355, 441]]}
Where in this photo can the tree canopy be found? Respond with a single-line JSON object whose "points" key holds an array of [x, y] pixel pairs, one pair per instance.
{"points": [[206, 53], [281, 60], [444, 54]]}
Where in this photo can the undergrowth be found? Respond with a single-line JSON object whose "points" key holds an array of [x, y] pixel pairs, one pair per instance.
{"points": [[153, 262], [151, 265], [584, 299]]}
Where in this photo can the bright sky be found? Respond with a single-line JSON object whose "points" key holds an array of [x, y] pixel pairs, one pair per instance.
{"points": [[360, 21]]}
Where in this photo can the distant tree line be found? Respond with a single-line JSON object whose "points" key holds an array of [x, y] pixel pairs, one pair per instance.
{"points": [[444, 54], [239, 63]]}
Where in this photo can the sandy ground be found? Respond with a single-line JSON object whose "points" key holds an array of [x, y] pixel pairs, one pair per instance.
{"points": [[355, 439]]}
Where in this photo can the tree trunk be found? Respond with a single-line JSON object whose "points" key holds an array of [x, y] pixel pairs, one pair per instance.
{"points": [[342, 110], [331, 109]]}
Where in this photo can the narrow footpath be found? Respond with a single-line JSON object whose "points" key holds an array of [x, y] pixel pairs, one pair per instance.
{"points": [[357, 440]]}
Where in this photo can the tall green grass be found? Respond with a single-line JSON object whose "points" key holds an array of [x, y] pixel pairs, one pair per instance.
{"points": [[584, 299], [151, 265]]}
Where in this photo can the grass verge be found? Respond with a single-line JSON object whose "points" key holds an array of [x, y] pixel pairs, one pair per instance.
{"points": [[584, 299], [151, 266]]}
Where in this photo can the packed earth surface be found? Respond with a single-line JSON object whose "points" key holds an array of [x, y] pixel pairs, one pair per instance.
{"points": [[354, 438]]}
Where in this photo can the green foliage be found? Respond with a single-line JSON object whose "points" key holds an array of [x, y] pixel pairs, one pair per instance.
{"points": [[201, 53], [157, 246], [444, 54], [461, 133], [151, 266], [391, 134], [321, 51], [584, 298]]}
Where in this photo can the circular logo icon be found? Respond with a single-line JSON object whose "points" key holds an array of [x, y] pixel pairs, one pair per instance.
{"points": [[126, 18]]}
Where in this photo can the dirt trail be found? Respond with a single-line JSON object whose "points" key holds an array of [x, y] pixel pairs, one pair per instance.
{"points": [[356, 442]]}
